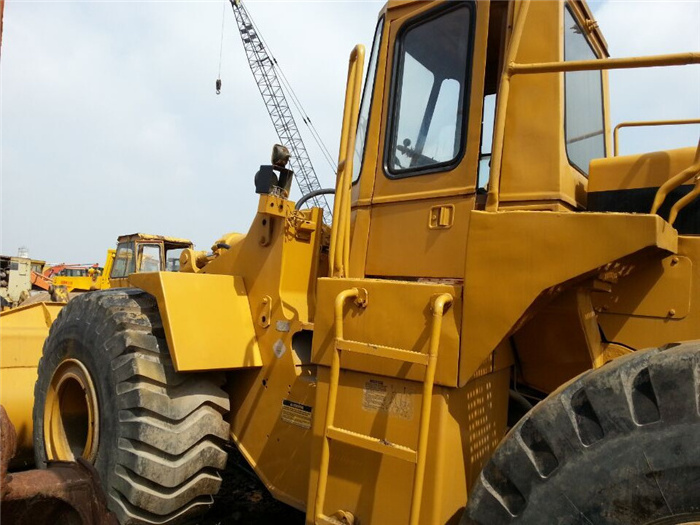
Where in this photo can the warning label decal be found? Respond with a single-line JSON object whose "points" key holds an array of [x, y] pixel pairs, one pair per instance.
{"points": [[378, 396], [296, 414]]}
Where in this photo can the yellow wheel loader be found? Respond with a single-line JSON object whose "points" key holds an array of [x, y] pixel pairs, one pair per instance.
{"points": [[24, 329], [486, 336]]}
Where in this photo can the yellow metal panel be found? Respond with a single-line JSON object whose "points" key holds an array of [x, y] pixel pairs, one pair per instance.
{"points": [[638, 331], [23, 331], [516, 247], [207, 319], [534, 124], [360, 218], [17, 396], [661, 288], [22, 334], [403, 244], [466, 424], [379, 324], [285, 270], [646, 170], [565, 323]]}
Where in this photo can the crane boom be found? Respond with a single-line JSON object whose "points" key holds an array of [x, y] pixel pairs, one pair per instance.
{"points": [[262, 65]]}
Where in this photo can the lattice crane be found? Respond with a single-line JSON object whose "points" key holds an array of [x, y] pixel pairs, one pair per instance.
{"points": [[263, 65]]}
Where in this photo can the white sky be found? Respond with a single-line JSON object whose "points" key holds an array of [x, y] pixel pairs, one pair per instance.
{"points": [[110, 123]]}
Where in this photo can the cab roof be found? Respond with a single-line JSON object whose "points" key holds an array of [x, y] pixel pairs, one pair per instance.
{"points": [[156, 238]]}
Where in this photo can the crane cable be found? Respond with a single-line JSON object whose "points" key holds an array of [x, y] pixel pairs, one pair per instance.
{"points": [[295, 100], [221, 48]]}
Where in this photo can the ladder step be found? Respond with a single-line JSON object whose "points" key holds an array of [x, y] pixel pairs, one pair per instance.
{"points": [[371, 443], [322, 519], [397, 354]]}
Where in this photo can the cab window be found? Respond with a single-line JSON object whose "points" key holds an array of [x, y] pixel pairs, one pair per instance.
{"points": [[429, 93], [149, 257], [124, 260], [172, 259], [367, 94], [584, 125]]}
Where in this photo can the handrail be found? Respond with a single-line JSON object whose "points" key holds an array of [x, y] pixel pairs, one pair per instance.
{"points": [[686, 199], [644, 123], [501, 109], [340, 300], [339, 250], [440, 304], [512, 69], [674, 182], [599, 64]]}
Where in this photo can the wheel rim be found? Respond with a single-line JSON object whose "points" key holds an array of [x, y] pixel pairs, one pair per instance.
{"points": [[71, 414]]}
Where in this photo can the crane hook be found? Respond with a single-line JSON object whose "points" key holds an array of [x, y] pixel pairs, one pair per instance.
{"points": [[218, 86]]}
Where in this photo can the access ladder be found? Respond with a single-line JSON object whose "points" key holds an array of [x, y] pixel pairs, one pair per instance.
{"points": [[332, 433]]}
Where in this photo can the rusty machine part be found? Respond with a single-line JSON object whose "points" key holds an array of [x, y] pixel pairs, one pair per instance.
{"points": [[66, 492]]}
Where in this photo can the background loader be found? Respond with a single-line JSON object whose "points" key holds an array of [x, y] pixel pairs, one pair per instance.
{"points": [[24, 329], [368, 370]]}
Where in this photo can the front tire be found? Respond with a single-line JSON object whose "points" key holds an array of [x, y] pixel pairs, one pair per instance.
{"points": [[107, 390], [617, 445]]}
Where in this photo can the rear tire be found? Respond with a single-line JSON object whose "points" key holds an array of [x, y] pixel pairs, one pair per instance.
{"points": [[154, 436], [617, 445]]}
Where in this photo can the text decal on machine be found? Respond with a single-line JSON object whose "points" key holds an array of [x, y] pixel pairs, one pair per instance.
{"points": [[296, 414], [378, 396]]}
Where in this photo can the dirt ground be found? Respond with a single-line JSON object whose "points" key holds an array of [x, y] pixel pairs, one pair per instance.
{"points": [[243, 499]]}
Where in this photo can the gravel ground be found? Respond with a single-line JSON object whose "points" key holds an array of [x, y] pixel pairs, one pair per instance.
{"points": [[243, 499]]}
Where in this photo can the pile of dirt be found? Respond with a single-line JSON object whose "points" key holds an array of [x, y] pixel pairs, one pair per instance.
{"points": [[243, 499]]}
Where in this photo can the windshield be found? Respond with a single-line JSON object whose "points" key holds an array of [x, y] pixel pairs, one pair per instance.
{"points": [[124, 261]]}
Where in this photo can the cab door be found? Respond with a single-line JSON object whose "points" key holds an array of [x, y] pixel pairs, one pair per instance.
{"points": [[425, 173]]}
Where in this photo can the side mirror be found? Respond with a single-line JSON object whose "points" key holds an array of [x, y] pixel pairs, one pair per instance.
{"points": [[267, 176]]}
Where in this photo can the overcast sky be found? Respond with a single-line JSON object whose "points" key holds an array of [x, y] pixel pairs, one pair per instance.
{"points": [[110, 123]]}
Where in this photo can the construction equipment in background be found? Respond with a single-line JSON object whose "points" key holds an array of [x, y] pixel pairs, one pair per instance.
{"points": [[24, 329], [138, 252], [264, 67], [77, 276], [141, 252], [82, 279], [371, 377], [69, 270], [39, 280], [16, 279], [43, 280]]}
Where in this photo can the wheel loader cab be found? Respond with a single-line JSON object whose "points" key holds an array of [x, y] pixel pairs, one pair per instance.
{"points": [[430, 71], [145, 253]]}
